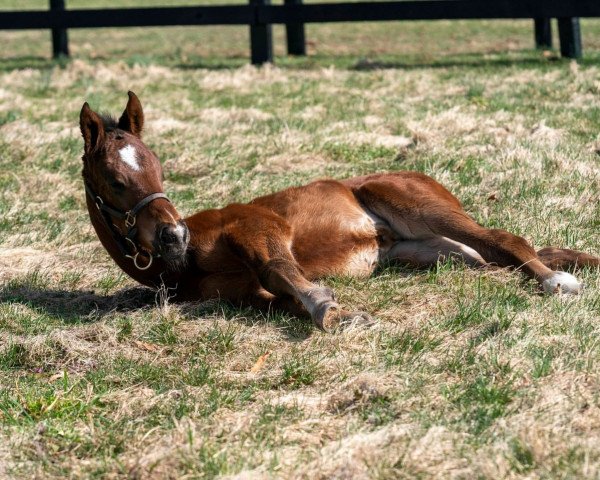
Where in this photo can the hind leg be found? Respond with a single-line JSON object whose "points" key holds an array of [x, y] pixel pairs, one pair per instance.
{"points": [[418, 208], [423, 253]]}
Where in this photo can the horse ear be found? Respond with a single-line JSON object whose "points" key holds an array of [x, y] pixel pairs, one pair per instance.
{"points": [[132, 120], [91, 127]]}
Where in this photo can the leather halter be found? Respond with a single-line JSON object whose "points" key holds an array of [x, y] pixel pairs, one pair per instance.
{"points": [[126, 243]]}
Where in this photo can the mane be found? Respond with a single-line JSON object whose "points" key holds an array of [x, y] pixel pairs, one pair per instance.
{"points": [[109, 122]]}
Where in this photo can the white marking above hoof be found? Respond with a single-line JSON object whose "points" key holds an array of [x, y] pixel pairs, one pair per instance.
{"points": [[562, 282]]}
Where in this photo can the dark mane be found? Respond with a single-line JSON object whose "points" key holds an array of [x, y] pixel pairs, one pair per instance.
{"points": [[109, 122]]}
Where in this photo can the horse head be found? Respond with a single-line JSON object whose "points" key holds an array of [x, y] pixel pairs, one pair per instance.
{"points": [[124, 178]]}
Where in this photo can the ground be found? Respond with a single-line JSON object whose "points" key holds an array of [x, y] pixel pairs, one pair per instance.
{"points": [[467, 373]]}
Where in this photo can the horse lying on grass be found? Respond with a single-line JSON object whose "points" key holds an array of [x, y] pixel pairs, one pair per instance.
{"points": [[269, 252]]}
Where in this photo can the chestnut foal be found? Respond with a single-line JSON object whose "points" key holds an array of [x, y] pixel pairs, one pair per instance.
{"points": [[268, 253]]}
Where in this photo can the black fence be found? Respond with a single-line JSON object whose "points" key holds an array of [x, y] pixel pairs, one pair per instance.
{"points": [[260, 15]]}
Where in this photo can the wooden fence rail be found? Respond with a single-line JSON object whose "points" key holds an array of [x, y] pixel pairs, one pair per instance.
{"points": [[259, 15]]}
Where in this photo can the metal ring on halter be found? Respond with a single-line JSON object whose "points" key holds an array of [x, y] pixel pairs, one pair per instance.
{"points": [[101, 202], [135, 262], [132, 243]]}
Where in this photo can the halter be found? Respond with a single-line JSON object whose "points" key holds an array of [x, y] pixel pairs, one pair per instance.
{"points": [[128, 247]]}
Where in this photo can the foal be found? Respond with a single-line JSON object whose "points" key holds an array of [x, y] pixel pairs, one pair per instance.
{"points": [[268, 253]]}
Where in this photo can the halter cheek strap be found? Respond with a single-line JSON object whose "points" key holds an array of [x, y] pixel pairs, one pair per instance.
{"points": [[126, 243], [130, 216]]}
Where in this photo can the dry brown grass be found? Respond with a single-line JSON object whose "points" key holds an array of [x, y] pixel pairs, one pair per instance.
{"points": [[467, 374]]}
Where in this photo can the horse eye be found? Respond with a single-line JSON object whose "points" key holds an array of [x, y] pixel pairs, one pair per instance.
{"points": [[116, 185]]}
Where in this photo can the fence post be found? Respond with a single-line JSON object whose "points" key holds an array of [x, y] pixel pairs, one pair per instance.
{"points": [[60, 38], [569, 33], [296, 43], [543, 33], [261, 36]]}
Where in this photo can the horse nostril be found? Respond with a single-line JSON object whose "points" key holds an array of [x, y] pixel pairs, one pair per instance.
{"points": [[168, 235]]}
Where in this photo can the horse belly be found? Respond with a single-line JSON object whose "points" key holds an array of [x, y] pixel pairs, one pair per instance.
{"points": [[332, 233]]}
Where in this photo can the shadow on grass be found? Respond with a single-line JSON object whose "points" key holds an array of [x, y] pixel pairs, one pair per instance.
{"points": [[481, 60], [226, 63], [30, 62], [77, 305], [43, 63], [80, 306], [295, 329], [470, 62], [491, 60]]}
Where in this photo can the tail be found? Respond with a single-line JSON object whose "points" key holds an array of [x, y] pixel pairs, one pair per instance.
{"points": [[565, 259]]}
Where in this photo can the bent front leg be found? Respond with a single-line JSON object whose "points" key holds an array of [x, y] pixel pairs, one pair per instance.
{"points": [[242, 288], [282, 276], [273, 288], [262, 241]]}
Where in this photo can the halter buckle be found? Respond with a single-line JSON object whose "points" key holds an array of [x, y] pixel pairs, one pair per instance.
{"points": [[98, 202], [129, 219]]}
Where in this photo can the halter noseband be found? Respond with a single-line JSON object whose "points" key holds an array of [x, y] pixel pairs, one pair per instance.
{"points": [[130, 217]]}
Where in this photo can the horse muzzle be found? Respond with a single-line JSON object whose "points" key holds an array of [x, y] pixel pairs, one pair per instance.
{"points": [[172, 240]]}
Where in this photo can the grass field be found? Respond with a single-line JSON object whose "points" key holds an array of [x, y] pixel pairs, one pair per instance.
{"points": [[467, 374]]}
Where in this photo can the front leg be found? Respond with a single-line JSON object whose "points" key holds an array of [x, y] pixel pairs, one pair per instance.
{"points": [[282, 276], [262, 241], [242, 288], [268, 290]]}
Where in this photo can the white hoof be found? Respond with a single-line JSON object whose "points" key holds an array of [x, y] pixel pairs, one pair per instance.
{"points": [[562, 282]]}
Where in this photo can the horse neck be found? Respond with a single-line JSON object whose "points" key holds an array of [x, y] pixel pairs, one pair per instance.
{"points": [[158, 274]]}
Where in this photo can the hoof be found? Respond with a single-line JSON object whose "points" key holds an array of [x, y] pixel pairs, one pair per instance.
{"points": [[562, 282], [327, 317]]}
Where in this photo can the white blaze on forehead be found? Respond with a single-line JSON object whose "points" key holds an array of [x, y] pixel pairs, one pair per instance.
{"points": [[129, 156]]}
